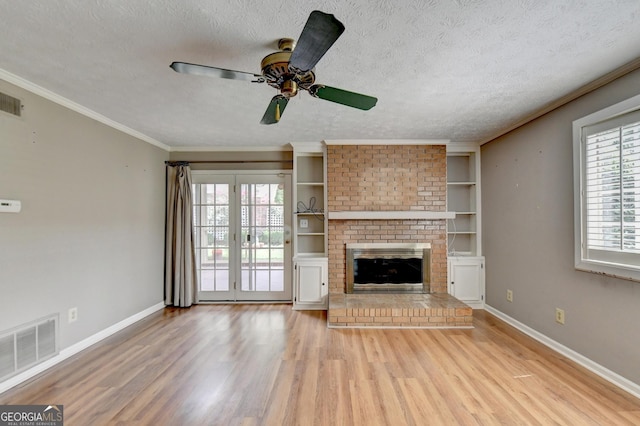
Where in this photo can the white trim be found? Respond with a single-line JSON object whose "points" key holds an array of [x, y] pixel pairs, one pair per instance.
{"points": [[308, 147], [80, 346], [381, 215], [610, 112], [582, 262], [60, 100], [581, 91], [387, 142], [610, 376], [463, 147], [238, 148]]}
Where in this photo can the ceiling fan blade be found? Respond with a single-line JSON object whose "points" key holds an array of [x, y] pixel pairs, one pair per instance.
{"points": [[275, 109], [206, 71], [344, 97], [318, 35]]}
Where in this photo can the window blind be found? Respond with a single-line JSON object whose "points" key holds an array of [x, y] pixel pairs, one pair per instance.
{"points": [[612, 185]]}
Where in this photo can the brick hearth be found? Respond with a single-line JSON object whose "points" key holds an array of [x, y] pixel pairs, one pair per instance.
{"points": [[398, 310]]}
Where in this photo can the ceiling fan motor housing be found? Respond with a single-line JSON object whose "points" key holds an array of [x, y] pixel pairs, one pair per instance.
{"points": [[275, 68]]}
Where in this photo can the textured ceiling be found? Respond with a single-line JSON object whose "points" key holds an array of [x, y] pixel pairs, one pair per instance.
{"points": [[462, 70]]}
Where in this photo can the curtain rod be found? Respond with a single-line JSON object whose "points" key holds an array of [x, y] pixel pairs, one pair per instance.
{"points": [[177, 163]]}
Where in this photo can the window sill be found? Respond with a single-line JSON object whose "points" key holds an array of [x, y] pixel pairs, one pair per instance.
{"points": [[614, 270]]}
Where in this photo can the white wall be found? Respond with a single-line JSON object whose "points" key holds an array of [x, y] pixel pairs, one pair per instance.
{"points": [[91, 231], [527, 202]]}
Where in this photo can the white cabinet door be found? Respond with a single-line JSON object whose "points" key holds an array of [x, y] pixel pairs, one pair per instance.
{"points": [[466, 280], [311, 283]]}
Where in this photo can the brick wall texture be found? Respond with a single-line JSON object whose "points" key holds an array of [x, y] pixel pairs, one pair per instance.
{"points": [[383, 178]]}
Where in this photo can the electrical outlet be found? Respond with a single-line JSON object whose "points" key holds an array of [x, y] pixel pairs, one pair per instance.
{"points": [[509, 296], [73, 315], [304, 223], [560, 316]]}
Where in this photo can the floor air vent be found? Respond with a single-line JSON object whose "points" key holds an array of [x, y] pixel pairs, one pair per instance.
{"points": [[28, 345], [10, 104]]}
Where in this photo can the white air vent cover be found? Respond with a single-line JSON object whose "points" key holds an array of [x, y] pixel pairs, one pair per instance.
{"points": [[28, 345], [10, 104]]}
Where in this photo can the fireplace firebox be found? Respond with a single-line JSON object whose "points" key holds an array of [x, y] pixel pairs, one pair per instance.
{"points": [[388, 267]]}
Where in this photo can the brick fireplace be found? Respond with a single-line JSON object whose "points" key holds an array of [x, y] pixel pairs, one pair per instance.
{"points": [[394, 193], [403, 185]]}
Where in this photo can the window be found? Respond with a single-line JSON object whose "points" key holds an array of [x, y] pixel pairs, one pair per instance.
{"points": [[607, 190]]}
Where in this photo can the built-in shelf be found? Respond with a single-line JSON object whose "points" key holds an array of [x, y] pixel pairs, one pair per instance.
{"points": [[310, 279], [309, 255], [463, 198], [310, 221], [391, 215]]}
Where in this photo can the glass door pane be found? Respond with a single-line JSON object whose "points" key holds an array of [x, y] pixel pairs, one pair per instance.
{"points": [[265, 249], [213, 209]]}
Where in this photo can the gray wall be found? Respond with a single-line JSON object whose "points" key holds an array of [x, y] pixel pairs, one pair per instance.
{"points": [[527, 207], [243, 160], [91, 231]]}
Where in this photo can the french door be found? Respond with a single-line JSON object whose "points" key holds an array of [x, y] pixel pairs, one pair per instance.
{"points": [[242, 232]]}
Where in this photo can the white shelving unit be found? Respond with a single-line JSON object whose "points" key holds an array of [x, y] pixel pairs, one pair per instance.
{"points": [[463, 198], [465, 265], [310, 226]]}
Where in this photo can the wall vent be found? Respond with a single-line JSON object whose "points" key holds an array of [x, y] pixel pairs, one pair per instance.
{"points": [[10, 104], [27, 345]]}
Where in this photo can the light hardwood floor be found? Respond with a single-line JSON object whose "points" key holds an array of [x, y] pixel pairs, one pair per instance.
{"points": [[268, 364]]}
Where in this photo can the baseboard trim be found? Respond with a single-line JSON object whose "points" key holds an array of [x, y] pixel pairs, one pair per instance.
{"points": [[610, 376], [78, 347]]}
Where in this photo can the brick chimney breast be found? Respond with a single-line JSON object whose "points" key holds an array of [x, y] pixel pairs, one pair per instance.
{"points": [[387, 178]]}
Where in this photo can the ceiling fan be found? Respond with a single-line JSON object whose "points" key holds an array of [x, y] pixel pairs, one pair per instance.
{"points": [[292, 68]]}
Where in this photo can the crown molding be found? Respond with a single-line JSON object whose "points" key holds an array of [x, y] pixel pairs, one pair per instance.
{"points": [[587, 88], [387, 142], [273, 148], [61, 100]]}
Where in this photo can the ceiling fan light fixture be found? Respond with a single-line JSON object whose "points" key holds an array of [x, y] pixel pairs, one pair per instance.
{"points": [[289, 88]]}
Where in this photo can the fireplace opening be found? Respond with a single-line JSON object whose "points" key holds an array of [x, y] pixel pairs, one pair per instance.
{"points": [[388, 267]]}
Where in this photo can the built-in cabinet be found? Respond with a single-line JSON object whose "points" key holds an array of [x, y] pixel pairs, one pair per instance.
{"points": [[311, 283], [464, 236], [466, 279], [310, 226]]}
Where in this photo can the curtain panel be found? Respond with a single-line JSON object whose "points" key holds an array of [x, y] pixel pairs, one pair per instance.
{"points": [[180, 287]]}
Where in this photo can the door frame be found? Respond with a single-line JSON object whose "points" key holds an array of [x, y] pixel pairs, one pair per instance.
{"points": [[235, 245]]}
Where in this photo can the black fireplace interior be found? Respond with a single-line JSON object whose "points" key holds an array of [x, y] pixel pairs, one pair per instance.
{"points": [[387, 271], [388, 268]]}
